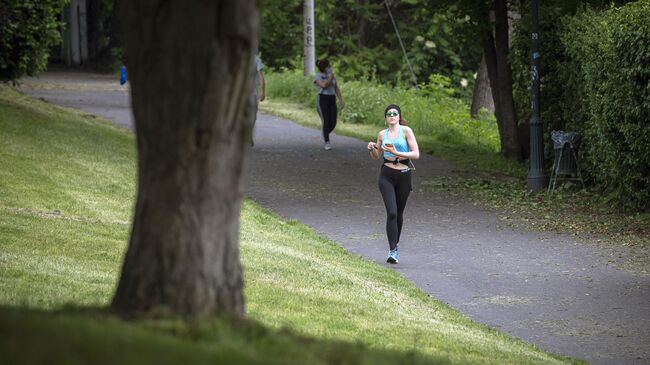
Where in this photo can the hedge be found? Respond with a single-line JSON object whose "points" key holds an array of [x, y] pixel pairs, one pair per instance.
{"points": [[611, 52], [596, 81]]}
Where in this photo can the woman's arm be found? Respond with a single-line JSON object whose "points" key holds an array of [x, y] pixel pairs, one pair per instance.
{"points": [[261, 85], [375, 148], [338, 95]]}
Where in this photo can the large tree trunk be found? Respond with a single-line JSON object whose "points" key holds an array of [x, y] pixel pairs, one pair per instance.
{"points": [[490, 55], [482, 93], [496, 49], [191, 73], [512, 148]]}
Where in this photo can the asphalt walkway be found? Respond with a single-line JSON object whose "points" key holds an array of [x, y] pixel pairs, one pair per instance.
{"points": [[563, 295]]}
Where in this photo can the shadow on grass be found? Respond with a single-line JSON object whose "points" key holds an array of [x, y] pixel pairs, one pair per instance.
{"points": [[97, 336]]}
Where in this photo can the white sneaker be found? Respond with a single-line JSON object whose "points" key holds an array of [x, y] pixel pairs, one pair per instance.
{"points": [[328, 146]]}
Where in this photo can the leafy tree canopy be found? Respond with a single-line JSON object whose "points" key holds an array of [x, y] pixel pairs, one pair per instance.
{"points": [[28, 28], [358, 36]]}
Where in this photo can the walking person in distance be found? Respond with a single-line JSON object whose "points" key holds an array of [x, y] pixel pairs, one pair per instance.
{"points": [[328, 91], [398, 146], [259, 91]]}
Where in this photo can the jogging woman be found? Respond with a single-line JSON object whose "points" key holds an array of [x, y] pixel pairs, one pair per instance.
{"points": [[398, 145], [328, 91]]}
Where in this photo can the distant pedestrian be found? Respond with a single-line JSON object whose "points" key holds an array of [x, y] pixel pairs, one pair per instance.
{"points": [[258, 91], [123, 78], [399, 147], [122, 74], [328, 91]]}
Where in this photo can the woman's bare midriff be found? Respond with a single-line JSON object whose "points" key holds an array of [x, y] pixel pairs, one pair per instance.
{"points": [[399, 166]]}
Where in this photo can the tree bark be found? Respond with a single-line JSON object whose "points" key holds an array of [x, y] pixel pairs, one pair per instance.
{"points": [[482, 93], [496, 49], [191, 73], [512, 147], [490, 55]]}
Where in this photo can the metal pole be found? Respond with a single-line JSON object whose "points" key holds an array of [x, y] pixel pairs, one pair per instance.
{"points": [[309, 46], [537, 177]]}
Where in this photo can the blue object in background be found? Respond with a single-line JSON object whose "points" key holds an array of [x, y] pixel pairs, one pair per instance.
{"points": [[122, 75]]}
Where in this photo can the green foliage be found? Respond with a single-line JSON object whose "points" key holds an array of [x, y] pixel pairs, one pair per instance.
{"points": [[595, 80], [558, 75], [358, 37], [431, 110], [448, 45], [28, 28], [291, 85], [367, 63], [281, 33], [612, 52], [104, 36]]}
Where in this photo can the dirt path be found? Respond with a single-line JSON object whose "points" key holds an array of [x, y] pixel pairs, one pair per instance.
{"points": [[565, 296]]}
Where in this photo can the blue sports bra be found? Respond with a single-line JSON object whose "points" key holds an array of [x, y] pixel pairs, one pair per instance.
{"points": [[400, 143]]}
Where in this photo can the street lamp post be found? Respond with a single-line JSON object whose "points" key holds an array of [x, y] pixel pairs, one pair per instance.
{"points": [[537, 177]]}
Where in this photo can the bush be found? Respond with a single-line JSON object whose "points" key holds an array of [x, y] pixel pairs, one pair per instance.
{"points": [[611, 53], [291, 85], [595, 74], [28, 28], [430, 110]]}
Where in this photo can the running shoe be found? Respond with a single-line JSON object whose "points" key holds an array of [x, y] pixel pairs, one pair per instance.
{"points": [[328, 146], [392, 257]]}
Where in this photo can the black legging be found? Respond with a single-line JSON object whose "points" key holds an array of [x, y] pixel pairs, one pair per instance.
{"points": [[327, 111], [395, 187]]}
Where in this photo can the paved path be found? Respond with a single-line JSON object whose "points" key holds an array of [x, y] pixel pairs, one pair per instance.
{"points": [[565, 296]]}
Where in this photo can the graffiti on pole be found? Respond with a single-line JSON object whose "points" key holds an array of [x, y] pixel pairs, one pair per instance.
{"points": [[309, 41]]}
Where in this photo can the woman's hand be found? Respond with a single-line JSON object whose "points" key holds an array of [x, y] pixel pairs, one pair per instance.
{"points": [[390, 148], [342, 104], [374, 150]]}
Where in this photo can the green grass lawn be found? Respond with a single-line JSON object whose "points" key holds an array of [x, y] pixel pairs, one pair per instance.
{"points": [[67, 187]]}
